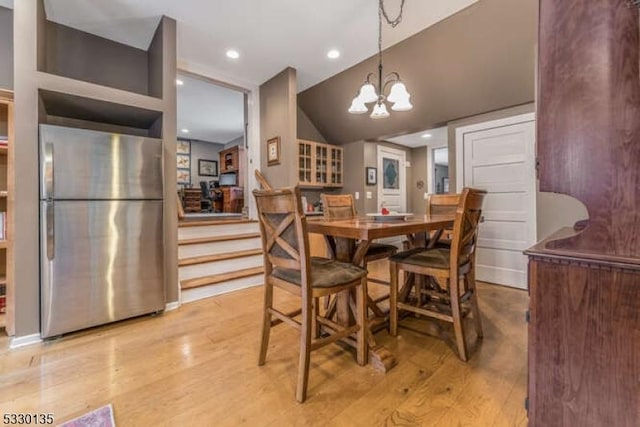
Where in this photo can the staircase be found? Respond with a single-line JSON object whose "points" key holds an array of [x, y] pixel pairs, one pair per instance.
{"points": [[218, 256]]}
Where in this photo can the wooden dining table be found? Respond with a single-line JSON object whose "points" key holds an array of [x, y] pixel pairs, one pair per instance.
{"points": [[363, 231]]}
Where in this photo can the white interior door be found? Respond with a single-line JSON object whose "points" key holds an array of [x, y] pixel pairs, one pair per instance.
{"points": [[392, 179], [499, 157]]}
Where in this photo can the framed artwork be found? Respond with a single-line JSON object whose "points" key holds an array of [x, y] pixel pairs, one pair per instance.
{"points": [[184, 161], [390, 174], [372, 176], [183, 147], [184, 176], [273, 151], [207, 167]]}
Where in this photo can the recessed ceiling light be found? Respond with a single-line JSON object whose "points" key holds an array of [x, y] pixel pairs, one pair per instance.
{"points": [[426, 135], [184, 130], [179, 82], [233, 54], [333, 54]]}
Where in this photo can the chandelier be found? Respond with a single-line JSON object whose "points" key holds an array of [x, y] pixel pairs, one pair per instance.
{"points": [[374, 91]]}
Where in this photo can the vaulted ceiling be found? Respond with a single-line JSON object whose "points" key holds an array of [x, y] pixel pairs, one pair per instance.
{"points": [[479, 60]]}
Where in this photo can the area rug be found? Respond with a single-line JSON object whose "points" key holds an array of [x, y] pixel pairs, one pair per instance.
{"points": [[101, 417]]}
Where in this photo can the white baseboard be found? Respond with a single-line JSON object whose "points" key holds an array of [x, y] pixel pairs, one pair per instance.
{"points": [[195, 294], [17, 342], [172, 306]]}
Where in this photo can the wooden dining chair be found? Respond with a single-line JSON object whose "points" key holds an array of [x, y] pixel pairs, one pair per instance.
{"points": [[451, 269], [288, 266], [343, 206], [441, 204]]}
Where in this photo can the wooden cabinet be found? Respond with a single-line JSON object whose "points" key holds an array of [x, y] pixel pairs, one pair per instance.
{"points": [[229, 160], [6, 203], [192, 199], [319, 164], [232, 199]]}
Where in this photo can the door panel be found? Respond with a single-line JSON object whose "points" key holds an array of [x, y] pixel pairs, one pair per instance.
{"points": [[106, 263], [392, 186], [98, 165], [501, 161]]}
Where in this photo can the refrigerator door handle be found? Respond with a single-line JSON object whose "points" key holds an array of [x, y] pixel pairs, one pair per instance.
{"points": [[48, 170], [51, 235]]}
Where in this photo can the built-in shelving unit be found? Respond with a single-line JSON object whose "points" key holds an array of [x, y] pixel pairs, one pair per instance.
{"points": [[6, 198], [320, 165]]}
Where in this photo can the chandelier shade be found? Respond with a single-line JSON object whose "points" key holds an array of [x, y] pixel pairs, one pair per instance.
{"points": [[370, 91]]}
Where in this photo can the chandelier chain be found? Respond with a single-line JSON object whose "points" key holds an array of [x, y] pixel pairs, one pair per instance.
{"points": [[393, 22]]}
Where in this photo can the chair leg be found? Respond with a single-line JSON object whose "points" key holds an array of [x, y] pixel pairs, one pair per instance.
{"points": [[316, 313], [471, 285], [305, 349], [457, 320], [362, 311], [393, 299], [266, 323]]}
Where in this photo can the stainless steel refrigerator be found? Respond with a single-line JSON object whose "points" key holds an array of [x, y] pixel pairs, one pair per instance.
{"points": [[101, 231]]}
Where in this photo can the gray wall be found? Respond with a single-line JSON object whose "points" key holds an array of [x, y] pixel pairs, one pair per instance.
{"points": [[237, 141], [278, 118], [6, 48], [419, 173], [306, 129], [83, 56], [206, 151]]}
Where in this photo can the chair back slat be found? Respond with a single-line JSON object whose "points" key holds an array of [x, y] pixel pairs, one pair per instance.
{"points": [[465, 228], [262, 180], [442, 204], [283, 229], [339, 206]]}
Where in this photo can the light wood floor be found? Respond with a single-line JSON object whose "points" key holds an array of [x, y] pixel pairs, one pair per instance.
{"points": [[196, 366]]}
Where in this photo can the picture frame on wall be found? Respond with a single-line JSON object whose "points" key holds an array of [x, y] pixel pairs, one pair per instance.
{"points": [[273, 151], [183, 161], [207, 167], [184, 176], [183, 147], [372, 176]]}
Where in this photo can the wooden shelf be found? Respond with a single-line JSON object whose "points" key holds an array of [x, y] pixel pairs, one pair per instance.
{"points": [[4, 149], [3, 244]]}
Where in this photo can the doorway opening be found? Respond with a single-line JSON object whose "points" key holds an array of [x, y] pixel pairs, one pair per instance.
{"points": [[212, 146], [440, 158]]}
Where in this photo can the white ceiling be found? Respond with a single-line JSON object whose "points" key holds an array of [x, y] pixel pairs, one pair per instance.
{"points": [[270, 35], [210, 112], [6, 3], [439, 138]]}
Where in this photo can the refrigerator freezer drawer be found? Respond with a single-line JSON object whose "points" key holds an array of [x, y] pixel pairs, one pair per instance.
{"points": [[101, 261], [83, 164]]}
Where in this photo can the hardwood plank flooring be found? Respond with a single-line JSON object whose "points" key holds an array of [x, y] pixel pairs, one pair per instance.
{"points": [[198, 366]]}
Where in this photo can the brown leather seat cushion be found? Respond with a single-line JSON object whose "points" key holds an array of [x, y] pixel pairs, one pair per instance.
{"points": [[435, 258], [325, 273], [376, 249]]}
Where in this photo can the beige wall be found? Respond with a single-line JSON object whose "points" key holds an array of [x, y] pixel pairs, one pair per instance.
{"points": [[6, 48], [278, 117], [553, 211]]}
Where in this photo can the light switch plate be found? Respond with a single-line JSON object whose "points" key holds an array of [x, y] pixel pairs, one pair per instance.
{"points": [[369, 195], [357, 195], [426, 195]]}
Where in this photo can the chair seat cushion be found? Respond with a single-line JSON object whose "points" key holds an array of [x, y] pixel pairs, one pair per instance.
{"points": [[438, 258], [434, 258], [380, 249], [325, 273]]}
